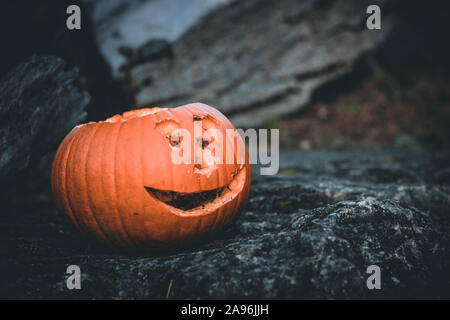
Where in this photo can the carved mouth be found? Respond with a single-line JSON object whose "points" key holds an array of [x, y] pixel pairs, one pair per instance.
{"points": [[201, 202], [185, 201]]}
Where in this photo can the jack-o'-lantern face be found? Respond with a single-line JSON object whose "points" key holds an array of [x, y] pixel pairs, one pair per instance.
{"points": [[152, 177]]}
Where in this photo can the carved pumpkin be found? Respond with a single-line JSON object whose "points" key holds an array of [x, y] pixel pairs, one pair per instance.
{"points": [[116, 182]]}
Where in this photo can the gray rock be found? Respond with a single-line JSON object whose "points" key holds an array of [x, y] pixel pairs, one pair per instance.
{"points": [[256, 60], [132, 24], [309, 232], [40, 101]]}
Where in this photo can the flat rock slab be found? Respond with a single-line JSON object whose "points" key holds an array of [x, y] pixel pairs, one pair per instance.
{"points": [[253, 60], [256, 60], [309, 232]]}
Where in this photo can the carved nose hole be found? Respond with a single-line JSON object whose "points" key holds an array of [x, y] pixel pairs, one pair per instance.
{"points": [[205, 143]]}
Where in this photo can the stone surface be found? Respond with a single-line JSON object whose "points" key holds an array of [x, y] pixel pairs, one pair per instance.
{"points": [[40, 101], [309, 232]]}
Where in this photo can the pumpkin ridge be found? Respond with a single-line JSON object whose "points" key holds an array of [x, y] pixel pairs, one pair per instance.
{"points": [[141, 131], [116, 237], [89, 202], [63, 158], [118, 218], [69, 202], [141, 162]]}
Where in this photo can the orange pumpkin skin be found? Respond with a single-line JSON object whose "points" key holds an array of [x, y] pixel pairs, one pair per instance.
{"points": [[103, 172]]}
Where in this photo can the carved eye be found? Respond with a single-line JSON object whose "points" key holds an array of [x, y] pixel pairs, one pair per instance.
{"points": [[170, 130], [175, 141]]}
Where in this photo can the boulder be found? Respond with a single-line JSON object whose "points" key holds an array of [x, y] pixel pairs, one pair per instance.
{"points": [[254, 60], [40, 102]]}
